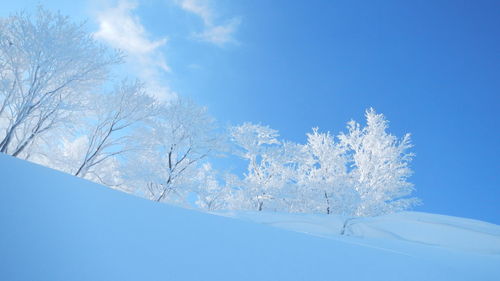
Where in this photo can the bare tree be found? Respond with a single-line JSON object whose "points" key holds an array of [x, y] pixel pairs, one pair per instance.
{"points": [[47, 63]]}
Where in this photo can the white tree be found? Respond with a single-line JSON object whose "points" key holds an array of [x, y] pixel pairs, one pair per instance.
{"points": [[174, 143], [266, 174], [379, 166], [323, 175], [47, 63], [112, 122], [103, 133], [363, 174], [213, 193]]}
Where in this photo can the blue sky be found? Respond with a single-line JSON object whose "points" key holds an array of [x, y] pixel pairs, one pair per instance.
{"points": [[431, 67]]}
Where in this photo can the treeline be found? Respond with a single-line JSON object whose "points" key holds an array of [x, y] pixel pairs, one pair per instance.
{"points": [[54, 111]]}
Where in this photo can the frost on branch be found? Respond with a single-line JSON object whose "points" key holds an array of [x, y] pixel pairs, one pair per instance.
{"points": [[379, 166], [324, 176], [363, 172], [104, 132], [265, 175], [47, 66], [173, 145], [114, 117], [210, 193], [53, 111]]}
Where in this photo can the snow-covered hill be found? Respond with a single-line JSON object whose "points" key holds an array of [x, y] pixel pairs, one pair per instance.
{"points": [[422, 228], [54, 226]]}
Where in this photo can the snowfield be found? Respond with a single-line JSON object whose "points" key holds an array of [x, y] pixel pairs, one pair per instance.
{"points": [[58, 227], [422, 228]]}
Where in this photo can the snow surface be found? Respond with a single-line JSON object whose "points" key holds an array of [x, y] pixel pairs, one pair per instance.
{"points": [[423, 228], [54, 226]]}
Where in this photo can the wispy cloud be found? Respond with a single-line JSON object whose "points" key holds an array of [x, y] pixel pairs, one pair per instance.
{"points": [[120, 28], [219, 34]]}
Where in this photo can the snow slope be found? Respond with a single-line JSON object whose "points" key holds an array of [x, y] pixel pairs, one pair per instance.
{"points": [[421, 228], [54, 226]]}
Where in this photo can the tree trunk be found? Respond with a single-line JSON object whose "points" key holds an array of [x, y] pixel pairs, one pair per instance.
{"points": [[6, 140], [327, 203], [344, 227]]}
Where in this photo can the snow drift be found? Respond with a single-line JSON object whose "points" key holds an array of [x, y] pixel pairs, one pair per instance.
{"points": [[58, 227]]}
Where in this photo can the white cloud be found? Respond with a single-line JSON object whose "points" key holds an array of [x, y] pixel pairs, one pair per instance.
{"points": [[219, 34], [121, 29], [198, 7]]}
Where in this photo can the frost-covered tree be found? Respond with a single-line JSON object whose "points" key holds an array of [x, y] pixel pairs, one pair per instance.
{"points": [[322, 175], [174, 143], [104, 131], [47, 64], [363, 173], [378, 166], [214, 193], [266, 173], [113, 118]]}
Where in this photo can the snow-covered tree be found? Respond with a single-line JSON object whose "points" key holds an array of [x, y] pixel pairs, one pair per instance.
{"points": [[322, 175], [113, 118], [174, 143], [104, 131], [266, 173], [378, 166], [214, 193], [364, 173], [47, 64]]}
